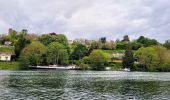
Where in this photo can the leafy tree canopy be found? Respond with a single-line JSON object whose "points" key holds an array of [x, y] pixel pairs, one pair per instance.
{"points": [[98, 59], [57, 53], [32, 54]]}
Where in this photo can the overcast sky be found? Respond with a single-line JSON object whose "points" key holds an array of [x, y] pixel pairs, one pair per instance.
{"points": [[88, 18]]}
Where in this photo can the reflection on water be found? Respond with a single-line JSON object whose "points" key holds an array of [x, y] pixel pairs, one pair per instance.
{"points": [[84, 85]]}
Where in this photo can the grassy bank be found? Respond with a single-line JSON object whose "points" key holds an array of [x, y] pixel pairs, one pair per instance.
{"points": [[9, 66], [113, 51]]}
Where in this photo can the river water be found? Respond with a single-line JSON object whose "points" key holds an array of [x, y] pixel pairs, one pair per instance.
{"points": [[83, 85]]}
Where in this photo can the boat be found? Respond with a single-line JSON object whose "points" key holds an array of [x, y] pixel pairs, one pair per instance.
{"points": [[126, 69], [70, 67]]}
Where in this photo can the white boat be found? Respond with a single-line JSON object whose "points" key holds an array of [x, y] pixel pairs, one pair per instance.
{"points": [[126, 69], [71, 67]]}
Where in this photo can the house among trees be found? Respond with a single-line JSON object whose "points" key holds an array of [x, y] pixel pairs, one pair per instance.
{"points": [[5, 56], [6, 53], [7, 43]]}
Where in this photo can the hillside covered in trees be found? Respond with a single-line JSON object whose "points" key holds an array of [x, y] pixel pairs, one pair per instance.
{"points": [[141, 54]]}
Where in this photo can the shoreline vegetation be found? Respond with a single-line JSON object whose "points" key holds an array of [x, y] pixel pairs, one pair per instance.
{"points": [[141, 54]]}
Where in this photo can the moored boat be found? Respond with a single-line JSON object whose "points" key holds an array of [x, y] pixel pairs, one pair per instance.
{"points": [[126, 69], [70, 67]]}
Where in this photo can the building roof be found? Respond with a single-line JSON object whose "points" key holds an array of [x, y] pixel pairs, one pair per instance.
{"points": [[6, 53]]}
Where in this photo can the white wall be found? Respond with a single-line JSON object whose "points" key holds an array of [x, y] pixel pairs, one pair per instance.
{"points": [[5, 57]]}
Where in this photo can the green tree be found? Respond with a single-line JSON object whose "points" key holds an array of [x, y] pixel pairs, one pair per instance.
{"points": [[162, 54], [128, 60], [21, 43], [146, 42], [147, 58], [121, 45], [167, 44], [13, 36], [98, 59], [47, 39], [136, 45], [57, 54], [79, 52], [32, 54], [152, 58], [61, 38], [126, 39]]}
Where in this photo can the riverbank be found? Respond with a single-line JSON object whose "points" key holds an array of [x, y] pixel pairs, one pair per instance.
{"points": [[9, 66]]}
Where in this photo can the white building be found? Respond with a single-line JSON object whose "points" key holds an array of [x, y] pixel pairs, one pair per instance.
{"points": [[7, 43], [5, 56], [118, 55]]}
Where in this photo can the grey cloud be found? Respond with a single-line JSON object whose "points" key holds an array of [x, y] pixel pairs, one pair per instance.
{"points": [[88, 18]]}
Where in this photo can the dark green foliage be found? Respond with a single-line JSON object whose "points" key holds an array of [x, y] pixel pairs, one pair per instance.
{"points": [[126, 39], [121, 45], [167, 44], [20, 44], [47, 39], [79, 52], [146, 42], [128, 60], [57, 54], [136, 45]]}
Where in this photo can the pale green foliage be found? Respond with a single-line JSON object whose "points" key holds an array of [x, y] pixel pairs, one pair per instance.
{"points": [[147, 57], [152, 58], [32, 54], [162, 53], [98, 59]]}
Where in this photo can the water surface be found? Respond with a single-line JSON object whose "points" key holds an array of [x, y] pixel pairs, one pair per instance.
{"points": [[83, 85]]}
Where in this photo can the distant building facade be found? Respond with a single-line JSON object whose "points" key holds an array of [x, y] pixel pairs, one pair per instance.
{"points": [[5, 56], [118, 55], [7, 43]]}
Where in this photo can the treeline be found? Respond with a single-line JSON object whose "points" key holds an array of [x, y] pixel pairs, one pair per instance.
{"points": [[142, 54]]}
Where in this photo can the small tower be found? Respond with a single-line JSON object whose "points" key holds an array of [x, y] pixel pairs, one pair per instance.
{"points": [[25, 31], [10, 31]]}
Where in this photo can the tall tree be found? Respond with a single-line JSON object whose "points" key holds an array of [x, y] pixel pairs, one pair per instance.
{"points": [[21, 43], [162, 54], [147, 58], [126, 38], [79, 52], [128, 60], [32, 54], [167, 44], [57, 54], [98, 59]]}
